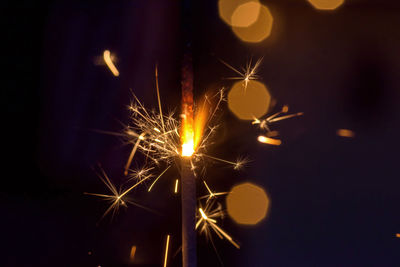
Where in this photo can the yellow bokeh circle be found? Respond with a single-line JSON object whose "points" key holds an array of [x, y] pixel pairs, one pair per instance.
{"points": [[226, 8], [249, 101], [326, 4], [247, 204], [257, 31], [246, 14]]}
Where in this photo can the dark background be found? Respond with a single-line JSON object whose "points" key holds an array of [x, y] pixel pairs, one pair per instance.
{"points": [[334, 201]]}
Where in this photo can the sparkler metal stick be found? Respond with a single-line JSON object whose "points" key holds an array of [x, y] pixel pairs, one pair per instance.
{"points": [[188, 198], [188, 182]]}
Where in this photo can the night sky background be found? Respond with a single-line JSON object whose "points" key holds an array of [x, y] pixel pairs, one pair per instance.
{"points": [[334, 201]]}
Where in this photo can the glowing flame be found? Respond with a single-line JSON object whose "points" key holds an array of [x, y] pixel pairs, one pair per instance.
{"points": [[187, 134], [188, 148], [192, 130]]}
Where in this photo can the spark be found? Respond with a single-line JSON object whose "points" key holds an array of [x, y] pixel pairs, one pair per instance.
{"points": [[237, 165], [209, 190], [157, 145], [128, 163], [110, 64], [398, 235], [176, 186], [140, 174], [166, 251], [205, 216], [211, 194], [248, 73], [264, 124], [155, 181], [159, 100], [207, 222], [116, 198], [267, 140]]}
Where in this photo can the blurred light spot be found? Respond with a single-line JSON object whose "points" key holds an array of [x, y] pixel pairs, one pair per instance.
{"points": [[270, 141], [226, 8], [345, 133], [257, 31], [249, 103], [133, 252], [247, 203], [398, 235], [326, 4], [109, 62], [246, 14], [89, 253]]}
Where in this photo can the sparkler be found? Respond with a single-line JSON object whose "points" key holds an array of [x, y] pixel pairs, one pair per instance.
{"points": [[165, 141], [188, 182]]}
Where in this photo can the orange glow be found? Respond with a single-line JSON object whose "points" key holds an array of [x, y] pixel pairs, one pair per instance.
{"points": [[133, 252], [326, 4], [226, 8], [110, 64], [270, 141], [247, 204], [398, 235], [345, 133], [251, 102], [257, 31], [245, 14], [200, 121]]}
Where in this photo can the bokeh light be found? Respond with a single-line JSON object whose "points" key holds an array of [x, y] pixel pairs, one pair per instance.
{"points": [[226, 8], [246, 14], [326, 4], [257, 31], [250, 102], [345, 133], [247, 204]]}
